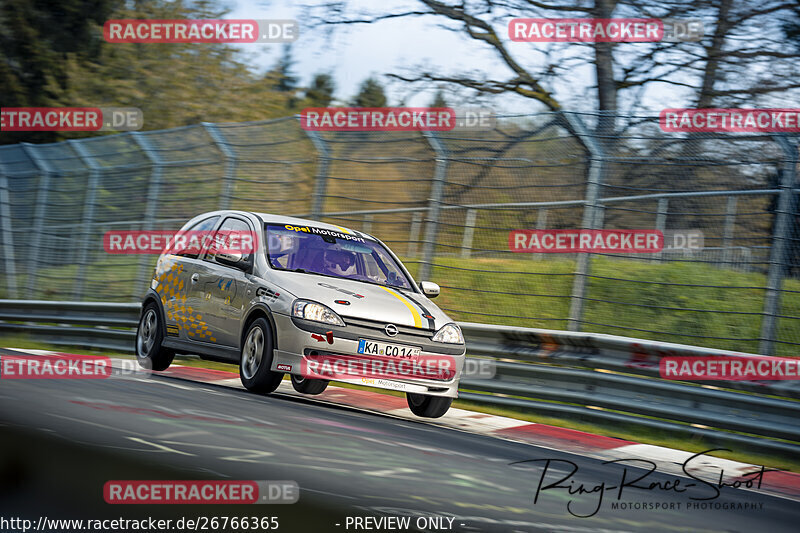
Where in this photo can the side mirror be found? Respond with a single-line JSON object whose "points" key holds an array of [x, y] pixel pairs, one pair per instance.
{"points": [[429, 289], [233, 259]]}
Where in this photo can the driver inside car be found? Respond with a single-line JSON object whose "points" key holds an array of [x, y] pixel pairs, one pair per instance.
{"points": [[339, 263]]}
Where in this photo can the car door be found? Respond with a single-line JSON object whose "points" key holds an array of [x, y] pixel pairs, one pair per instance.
{"points": [[222, 289], [173, 273]]}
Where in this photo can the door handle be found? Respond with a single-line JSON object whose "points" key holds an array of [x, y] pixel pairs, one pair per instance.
{"points": [[195, 278]]}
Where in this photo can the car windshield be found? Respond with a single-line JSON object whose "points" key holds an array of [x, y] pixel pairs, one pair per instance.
{"points": [[332, 253]]}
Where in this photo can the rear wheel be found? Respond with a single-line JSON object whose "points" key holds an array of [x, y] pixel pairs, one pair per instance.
{"points": [[428, 406], [309, 386], [256, 359], [149, 336]]}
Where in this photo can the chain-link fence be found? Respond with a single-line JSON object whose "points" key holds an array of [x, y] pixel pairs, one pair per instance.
{"points": [[446, 202]]}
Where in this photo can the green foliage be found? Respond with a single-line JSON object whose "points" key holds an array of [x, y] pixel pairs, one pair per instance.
{"points": [[370, 94], [320, 93], [53, 54]]}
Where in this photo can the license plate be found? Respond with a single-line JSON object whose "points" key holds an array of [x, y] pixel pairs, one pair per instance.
{"points": [[391, 350]]}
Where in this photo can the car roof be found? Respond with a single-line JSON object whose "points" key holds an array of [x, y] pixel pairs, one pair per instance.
{"points": [[295, 221]]}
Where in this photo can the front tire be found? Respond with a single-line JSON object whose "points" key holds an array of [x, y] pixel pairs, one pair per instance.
{"points": [[256, 359], [149, 337], [428, 406], [309, 386]]}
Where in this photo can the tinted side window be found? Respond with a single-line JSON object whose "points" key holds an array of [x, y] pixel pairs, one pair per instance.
{"points": [[204, 225], [231, 232]]}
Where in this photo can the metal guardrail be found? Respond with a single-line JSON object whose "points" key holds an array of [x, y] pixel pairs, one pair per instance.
{"points": [[596, 378]]}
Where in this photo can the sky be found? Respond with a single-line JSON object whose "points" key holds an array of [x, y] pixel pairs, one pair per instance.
{"points": [[404, 45], [354, 53]]}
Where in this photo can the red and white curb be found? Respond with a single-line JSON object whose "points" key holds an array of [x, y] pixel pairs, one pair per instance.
{"points": [[777, 483]]}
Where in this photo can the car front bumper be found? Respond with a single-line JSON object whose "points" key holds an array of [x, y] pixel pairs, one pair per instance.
{"points": [[300, 341]]}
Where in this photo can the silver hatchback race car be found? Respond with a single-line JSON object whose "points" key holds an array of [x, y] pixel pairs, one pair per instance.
{"points": [[317, 301]]}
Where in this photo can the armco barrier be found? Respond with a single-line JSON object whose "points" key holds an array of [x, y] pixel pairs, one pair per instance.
{"points": [[586, 377]]}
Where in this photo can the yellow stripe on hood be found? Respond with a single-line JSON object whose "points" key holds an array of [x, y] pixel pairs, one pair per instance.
{"points": [[417, 318]]}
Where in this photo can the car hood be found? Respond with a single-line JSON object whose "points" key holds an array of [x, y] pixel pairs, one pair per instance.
{"points": [[366, 301]]}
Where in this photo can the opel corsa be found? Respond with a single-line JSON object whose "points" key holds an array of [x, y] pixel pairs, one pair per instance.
{"points": [[308, 299]]}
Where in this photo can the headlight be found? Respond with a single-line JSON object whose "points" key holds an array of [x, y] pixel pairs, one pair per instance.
{"points": [[449, 333], [316, 312]]}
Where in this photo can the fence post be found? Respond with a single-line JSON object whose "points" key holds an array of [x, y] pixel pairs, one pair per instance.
{"points": [[366, 226], [153, 192], [230, 163], [42, 195], [778, 251], [541, 223], [661, 223], [591, 215], [413, 235], [434, 205], [7, 234], [88, 216], [321, 180], [469, 232], [727, 232]]}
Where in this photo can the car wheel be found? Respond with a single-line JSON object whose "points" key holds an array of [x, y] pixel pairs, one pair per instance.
{"points": [[428, 406], [149, 336], [256, 359], [309, 386]]}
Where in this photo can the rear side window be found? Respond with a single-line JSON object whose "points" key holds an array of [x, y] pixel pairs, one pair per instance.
{"points": [[206, 224]]}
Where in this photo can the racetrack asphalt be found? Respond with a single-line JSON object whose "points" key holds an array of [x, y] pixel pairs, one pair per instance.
{"points": [[61, 440]]}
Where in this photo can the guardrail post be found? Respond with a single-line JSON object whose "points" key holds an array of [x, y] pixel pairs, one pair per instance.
{"points": [[413, 234], [469, 232], [727, 232], [591, 217], [42, 195], [153, 192], [778, 252], [88, 216], [434, 205], [321, 179], [230, 163], [7, 235]]}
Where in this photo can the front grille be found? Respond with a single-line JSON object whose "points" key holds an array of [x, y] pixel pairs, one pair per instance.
{"points": [[378, 326]]}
